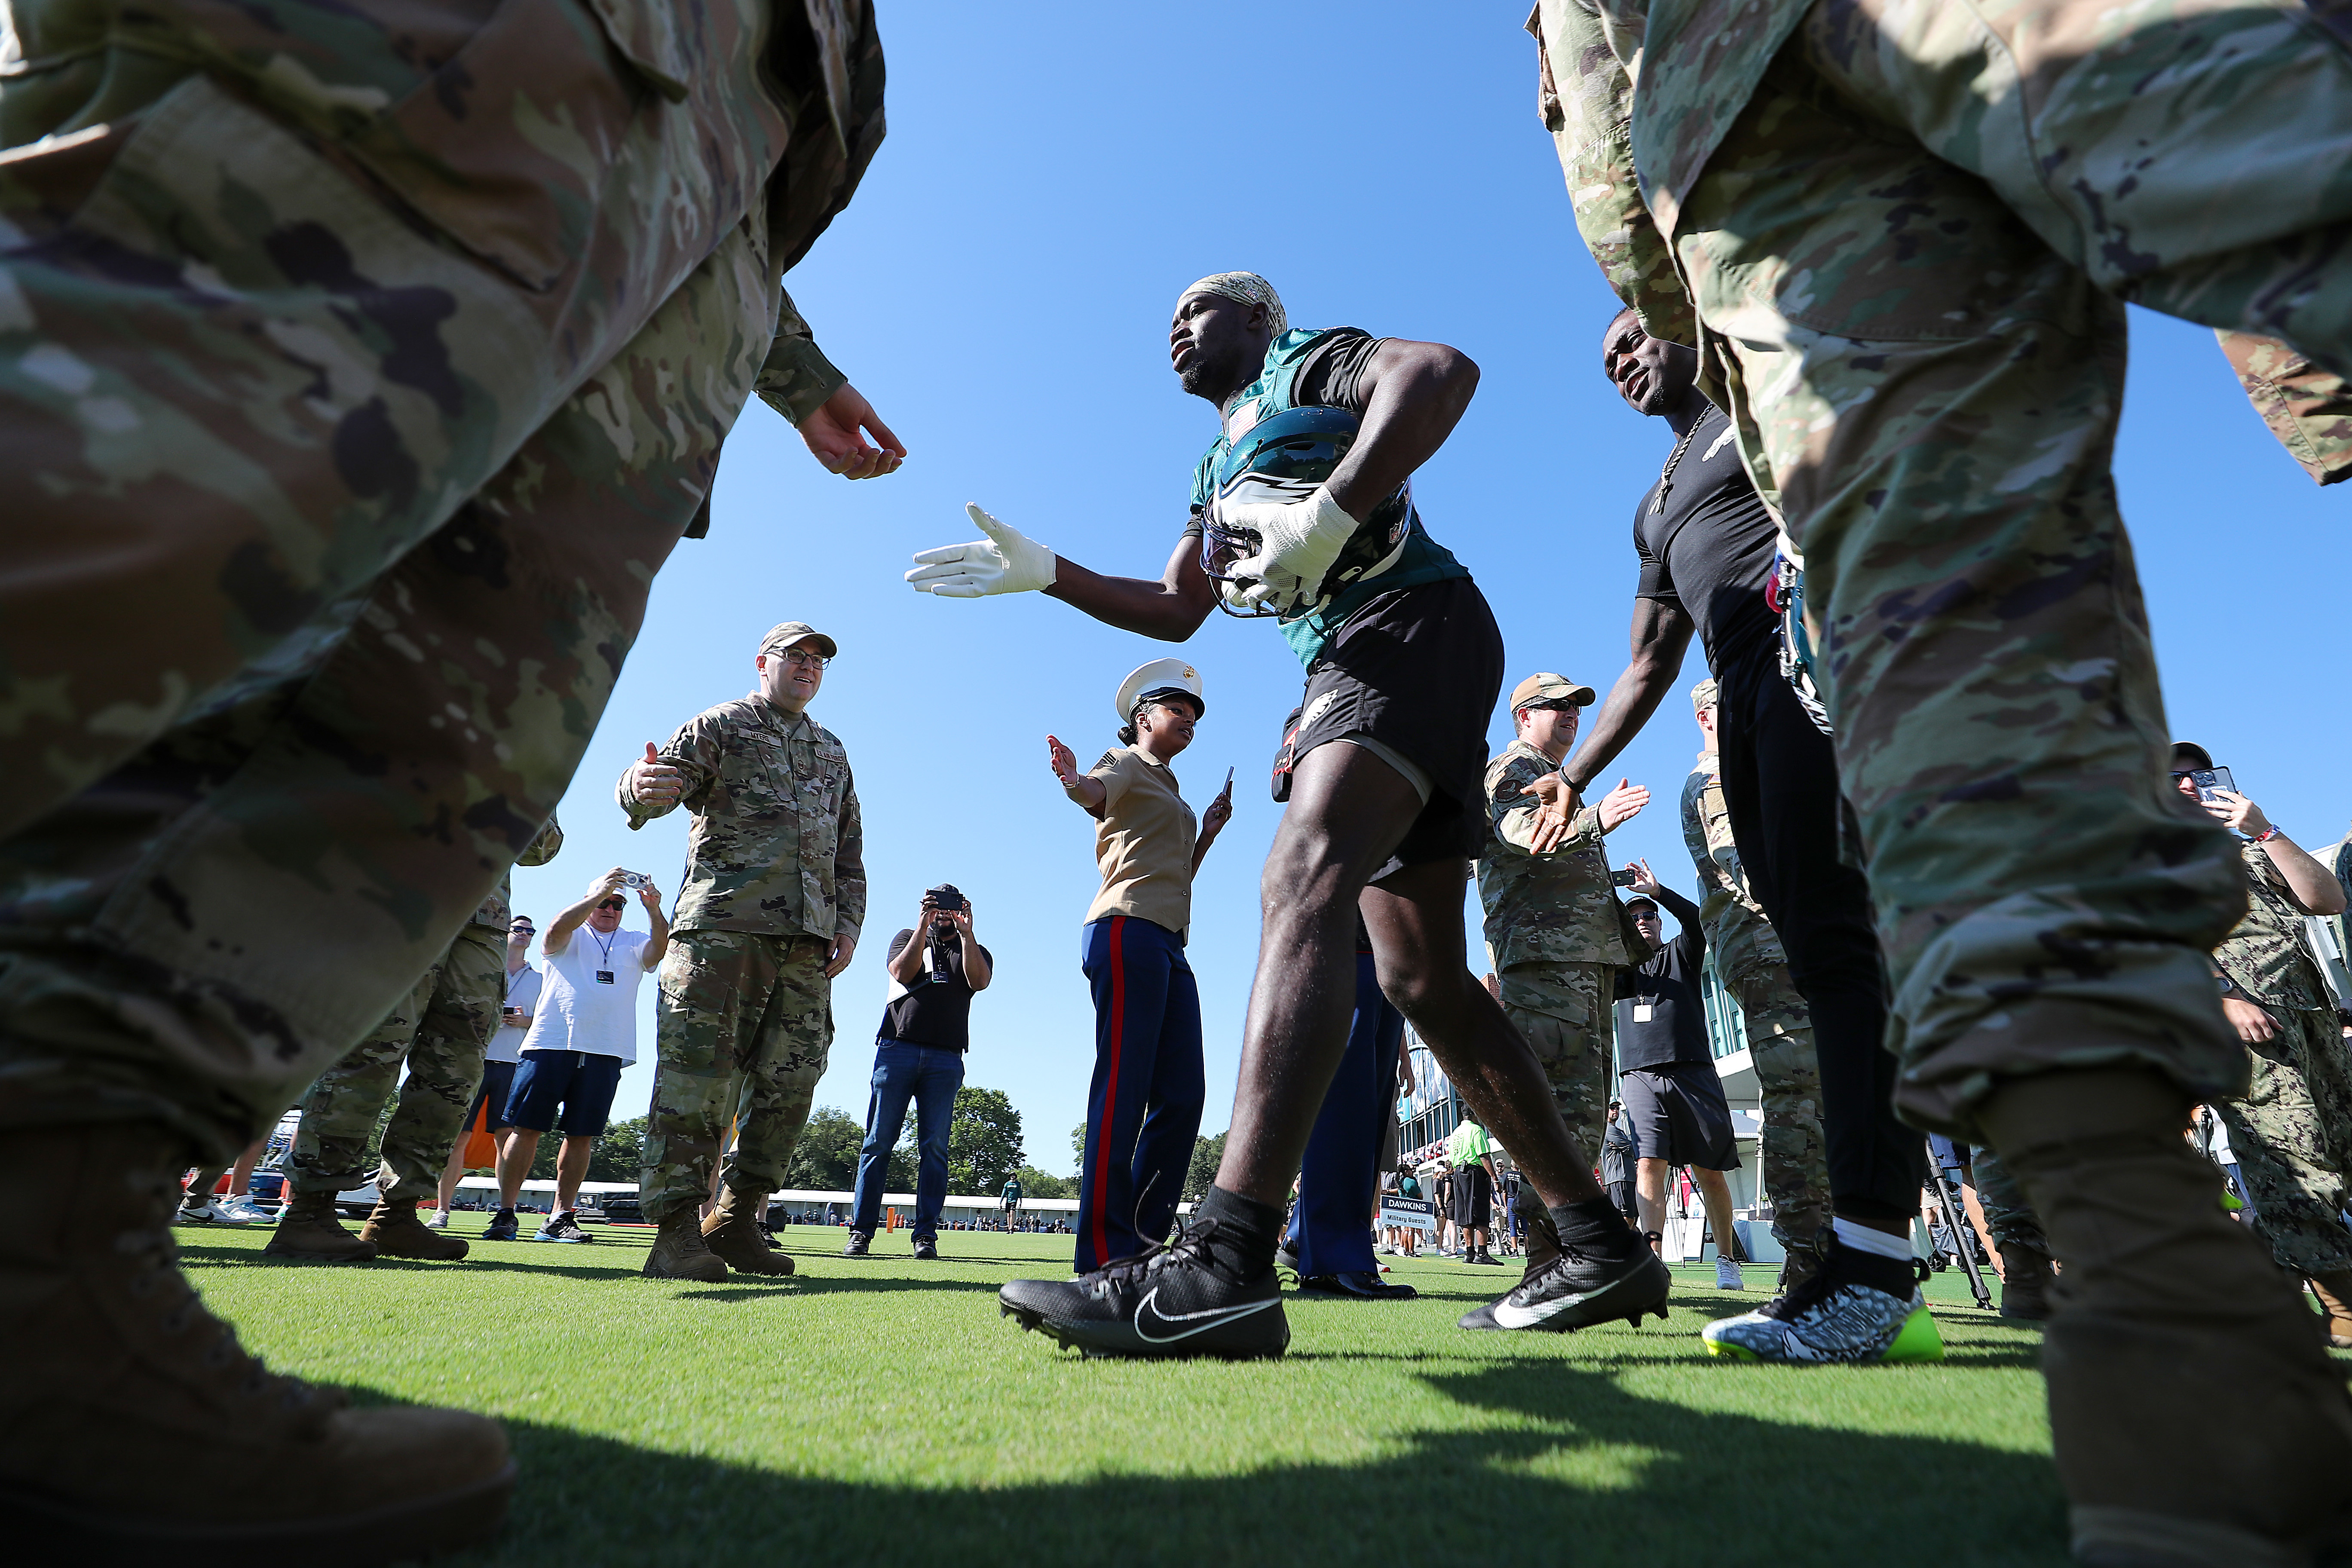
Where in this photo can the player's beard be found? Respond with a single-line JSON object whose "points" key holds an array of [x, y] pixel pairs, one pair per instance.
{"points": [[1213, 375]]}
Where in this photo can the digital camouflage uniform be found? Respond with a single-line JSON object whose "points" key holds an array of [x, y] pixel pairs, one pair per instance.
{"points": [[1792, 1163], [359, 363], [775, 871], [1553, 926], [442, 1029], [2292, 1131], [1901, 240]]}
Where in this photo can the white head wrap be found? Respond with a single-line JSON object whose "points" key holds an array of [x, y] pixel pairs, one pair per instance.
{"points": [[1250, 290]]}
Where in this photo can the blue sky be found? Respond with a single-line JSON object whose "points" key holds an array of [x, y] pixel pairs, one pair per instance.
{"points": [[1001, 289]]}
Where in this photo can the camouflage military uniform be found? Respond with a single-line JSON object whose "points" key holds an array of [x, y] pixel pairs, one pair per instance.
{"points": [[353, 408], [775, 872], [1553, 926], [1903, 238], [1748, 956], [443, 1031], [2292, 1129]]}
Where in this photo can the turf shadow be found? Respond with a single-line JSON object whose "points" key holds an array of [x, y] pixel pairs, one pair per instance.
{"points": [[1568, 1467]]}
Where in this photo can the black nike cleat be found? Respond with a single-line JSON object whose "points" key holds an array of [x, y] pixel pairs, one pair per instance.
{"points": [[1189, 1300], [1578, 1288]]}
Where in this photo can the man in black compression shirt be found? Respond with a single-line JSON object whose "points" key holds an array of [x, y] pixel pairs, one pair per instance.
{"points": [[1386, 805], [1706, 547]]}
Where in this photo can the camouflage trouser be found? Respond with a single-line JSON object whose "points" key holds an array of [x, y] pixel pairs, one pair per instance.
{"points": [[2006, 1213], [745, 1028], [2292, 1136], [1790, 1156], [442, 1031], [313, 697], [1909, 256], [1563, 1011]]}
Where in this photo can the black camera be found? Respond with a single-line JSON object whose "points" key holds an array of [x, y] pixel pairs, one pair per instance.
{"points": [[947, 898], [1622, 879]]}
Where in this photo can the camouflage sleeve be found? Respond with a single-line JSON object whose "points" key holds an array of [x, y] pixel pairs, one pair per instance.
{"points": [[544, 848], [1511, 814], [694, 752], [2308, 409], [849, 865], [1591, 129], [796, 378]]}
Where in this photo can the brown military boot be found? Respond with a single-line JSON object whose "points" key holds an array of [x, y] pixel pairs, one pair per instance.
{"points": [[394, 1231], [2024, 1283], [2334, 1291], [2166, 1306], [1798, 1263], [680, 1253], [733, 1233], [116, 1375], [310, 1231]]}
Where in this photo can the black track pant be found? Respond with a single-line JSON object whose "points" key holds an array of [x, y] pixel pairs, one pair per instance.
{"points": [[1781, 784]]}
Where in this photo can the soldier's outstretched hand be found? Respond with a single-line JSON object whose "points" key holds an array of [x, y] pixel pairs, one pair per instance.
{"points": [[1557, 808], [1064, 765], [832, 433], [1621, 804], [655, 782]]}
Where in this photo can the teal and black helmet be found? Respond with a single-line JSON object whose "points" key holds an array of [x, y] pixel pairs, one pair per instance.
{"points": [[1282, 459]]}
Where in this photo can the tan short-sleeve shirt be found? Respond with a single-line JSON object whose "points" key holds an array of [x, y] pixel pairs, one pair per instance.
{"points": [[1145, 843]]}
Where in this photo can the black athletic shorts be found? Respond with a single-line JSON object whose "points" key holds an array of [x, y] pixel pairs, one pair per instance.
{"points": [[1680, 1116], [1417, 672], [1620, 1194], [1473, 1197]]}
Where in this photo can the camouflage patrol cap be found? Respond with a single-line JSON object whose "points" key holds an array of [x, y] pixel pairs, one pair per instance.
{"points": [[1550, 690], [790, 632], [1702, 696]]}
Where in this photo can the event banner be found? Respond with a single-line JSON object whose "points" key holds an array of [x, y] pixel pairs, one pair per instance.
{"points": [[1409, 1213]]}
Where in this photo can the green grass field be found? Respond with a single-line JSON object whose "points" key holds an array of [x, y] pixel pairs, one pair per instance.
{"points": [[881, 1410]]}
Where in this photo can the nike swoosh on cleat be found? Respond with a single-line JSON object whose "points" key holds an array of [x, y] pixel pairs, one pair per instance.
{"points": [[1203, 1321], [1512, 1317]]}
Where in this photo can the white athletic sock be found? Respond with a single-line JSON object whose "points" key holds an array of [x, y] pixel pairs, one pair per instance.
{"points": [[1877, 1243]]}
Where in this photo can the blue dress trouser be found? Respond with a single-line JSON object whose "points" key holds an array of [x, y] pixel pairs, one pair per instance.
{"points": [[928, 1076], [1143, 1108], [1331, 1229]]}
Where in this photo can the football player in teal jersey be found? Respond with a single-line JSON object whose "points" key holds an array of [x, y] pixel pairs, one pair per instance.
{"points": [[1302, 513]]}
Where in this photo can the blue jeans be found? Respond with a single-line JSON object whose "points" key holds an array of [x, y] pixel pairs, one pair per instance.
{"points": [[929, 1077]]}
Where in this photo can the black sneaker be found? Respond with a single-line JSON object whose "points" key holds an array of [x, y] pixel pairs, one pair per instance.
{"points": [[1179, 1300], [502, 1227], [1484, 1257], [564, 1227], [926, 1249], [858, 1245], [1578, 1288]]}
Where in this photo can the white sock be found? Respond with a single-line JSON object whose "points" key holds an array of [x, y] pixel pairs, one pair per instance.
{"points": [[1877, 1243]]}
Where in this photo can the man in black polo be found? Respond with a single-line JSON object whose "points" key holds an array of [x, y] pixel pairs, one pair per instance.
{"points": [[936, 966], [1673, 1103], [1707, 548]]}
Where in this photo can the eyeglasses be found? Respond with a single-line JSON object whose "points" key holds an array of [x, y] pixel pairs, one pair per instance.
{"points": [[613, 904], [794, 655]]}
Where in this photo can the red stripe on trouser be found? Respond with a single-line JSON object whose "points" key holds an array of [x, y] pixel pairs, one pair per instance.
{"points": [[1110, 1087]]}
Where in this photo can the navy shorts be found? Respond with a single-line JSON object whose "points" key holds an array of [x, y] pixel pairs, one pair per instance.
{"points": [[582, 1082], [498, 1083]]}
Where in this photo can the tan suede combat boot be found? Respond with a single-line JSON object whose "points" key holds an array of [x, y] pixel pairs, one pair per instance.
{"points": [[680, 1253], [2334, 1290], [2025, 1277], [2166, 1306], [733, 1233], [394, 1231], [310, 1231], [115, 1375]]}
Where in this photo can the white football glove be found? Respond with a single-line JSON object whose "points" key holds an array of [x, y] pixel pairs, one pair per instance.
{"points": [[1297, 543], [1006, 561]]}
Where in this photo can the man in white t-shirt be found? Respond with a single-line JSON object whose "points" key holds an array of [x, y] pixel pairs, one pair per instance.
{"points": [[585, 1033], [521, 1001]]}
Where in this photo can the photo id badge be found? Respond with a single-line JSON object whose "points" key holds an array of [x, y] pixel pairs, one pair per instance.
{"points": [[1641, 1011], [603, 977]]}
